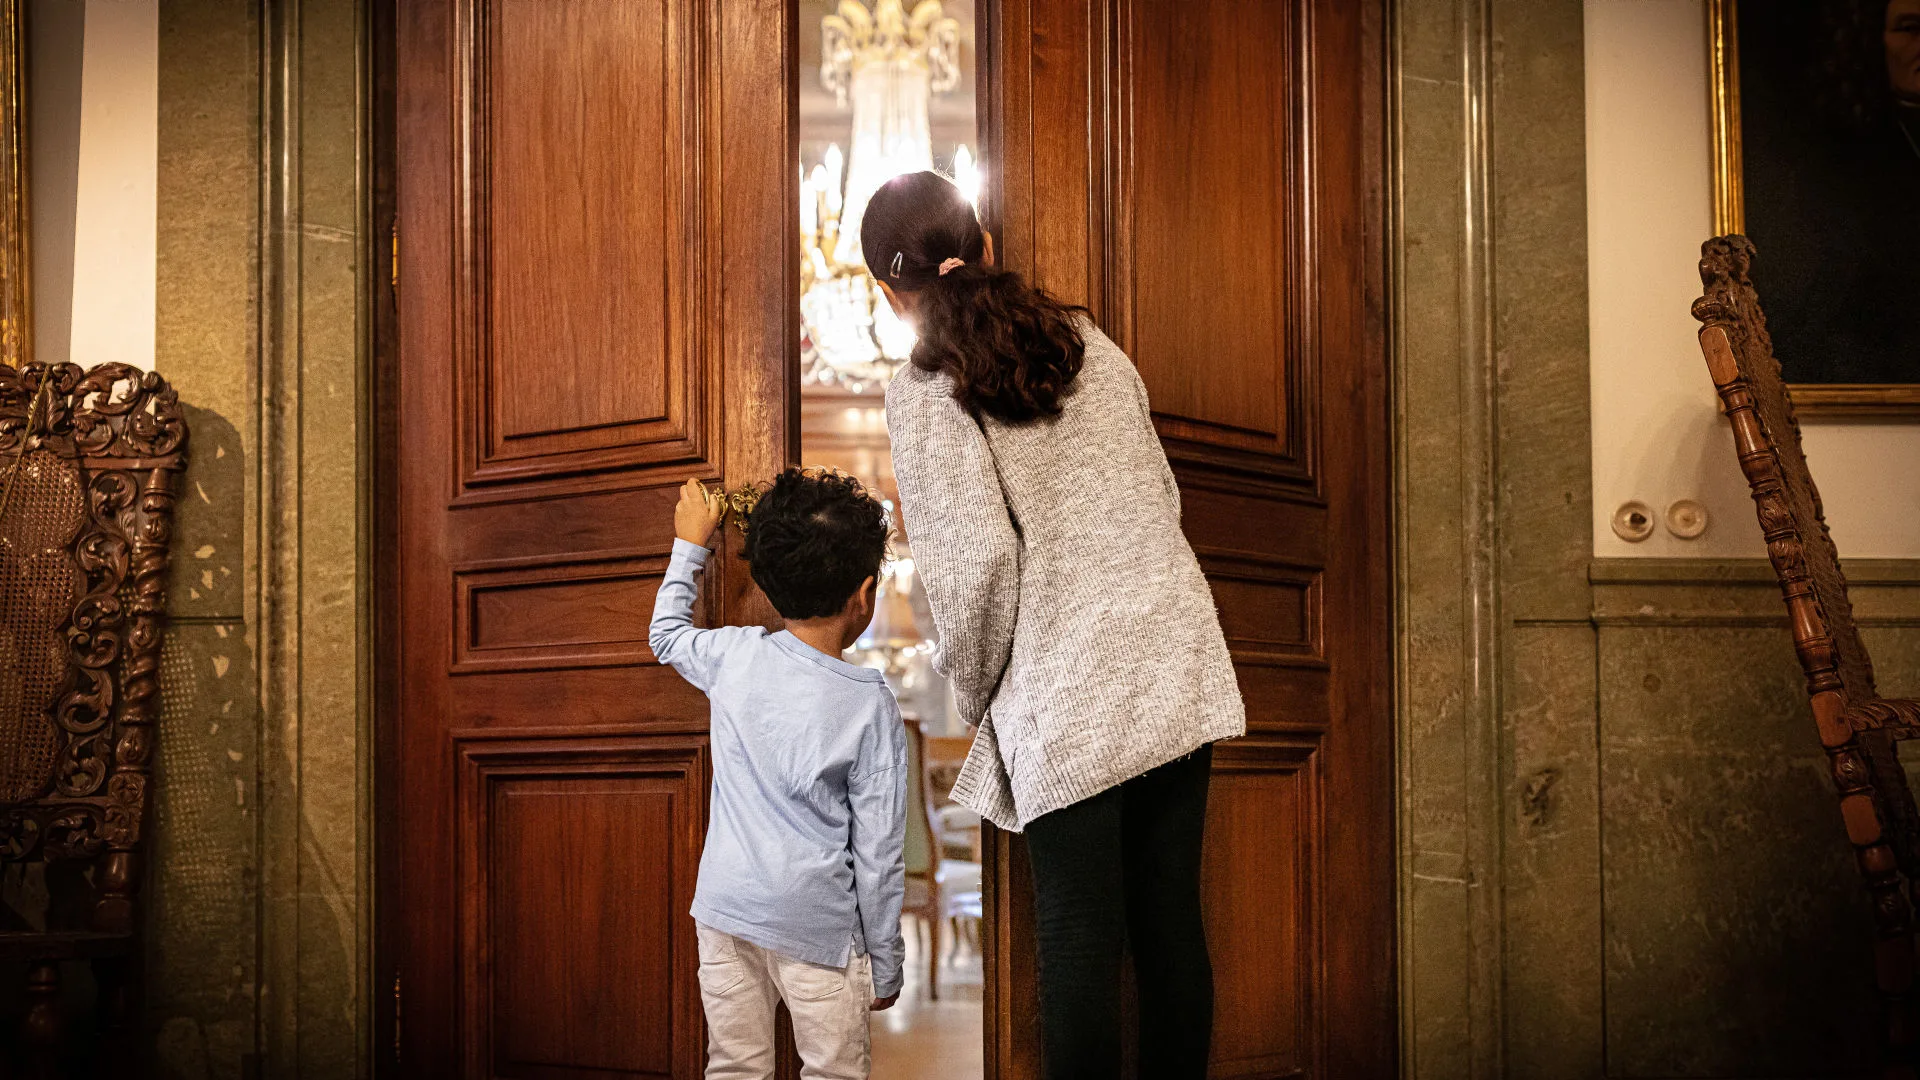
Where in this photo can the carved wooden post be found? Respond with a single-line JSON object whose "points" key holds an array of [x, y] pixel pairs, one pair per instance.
{"points": [[128, 790]]}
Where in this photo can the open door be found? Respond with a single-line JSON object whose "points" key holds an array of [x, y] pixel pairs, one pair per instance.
{"points": [[1206, 176], [597, 290], [596, 301]]}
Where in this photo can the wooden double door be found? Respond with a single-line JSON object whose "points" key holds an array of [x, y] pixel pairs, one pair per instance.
{"points": [[596, 297]]}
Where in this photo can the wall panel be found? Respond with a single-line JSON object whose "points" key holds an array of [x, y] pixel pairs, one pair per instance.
{"points": [[1734, 938]]}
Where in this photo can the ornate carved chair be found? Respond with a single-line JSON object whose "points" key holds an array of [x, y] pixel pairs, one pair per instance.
{"points": [[1856, 725], [88, 464]]}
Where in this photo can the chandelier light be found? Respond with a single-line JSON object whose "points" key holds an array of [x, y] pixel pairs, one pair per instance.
{"points": [[887, 65]]}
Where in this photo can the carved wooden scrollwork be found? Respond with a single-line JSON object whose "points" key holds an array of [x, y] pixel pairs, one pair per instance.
{"points": [[123, 428], [19, 836], [1849, 771], [51, 831], [72, 833], [1901, 717], [97, 636], [110, 410]]}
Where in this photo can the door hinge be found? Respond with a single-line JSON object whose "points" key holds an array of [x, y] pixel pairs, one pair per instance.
{"points": [[395, 261], [396, 1017]]}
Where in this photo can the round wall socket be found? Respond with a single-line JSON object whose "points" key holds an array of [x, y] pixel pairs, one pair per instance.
{"points": [[1633, 522], [1687, 519]]}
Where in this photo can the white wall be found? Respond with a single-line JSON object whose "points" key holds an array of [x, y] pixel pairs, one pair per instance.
{"points": [[1657, 432], [94, 151]]}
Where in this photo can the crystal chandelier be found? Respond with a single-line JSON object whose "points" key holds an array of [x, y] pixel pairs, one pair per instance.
{"points": [[888, 65]]}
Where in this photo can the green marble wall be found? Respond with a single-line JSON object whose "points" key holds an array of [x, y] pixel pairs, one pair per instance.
{"points": [[1736, 935], [258, 892], [1496, 648], [1445, 474], [203, 891], [1620, 855]]}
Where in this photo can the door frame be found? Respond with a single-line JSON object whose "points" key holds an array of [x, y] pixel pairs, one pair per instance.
{"points": [[381, 303], [1005, 1056]]}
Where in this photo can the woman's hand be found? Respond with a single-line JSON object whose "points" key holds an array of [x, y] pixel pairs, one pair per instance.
{"points": [[698, 513]]}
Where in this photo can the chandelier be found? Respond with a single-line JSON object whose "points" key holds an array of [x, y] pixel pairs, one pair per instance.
{"points": [[887, 65]]}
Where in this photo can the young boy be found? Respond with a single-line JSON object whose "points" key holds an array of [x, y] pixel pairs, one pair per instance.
{"points": [[803, 875]]}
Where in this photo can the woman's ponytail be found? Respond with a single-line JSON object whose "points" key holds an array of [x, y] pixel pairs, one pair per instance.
{"points": [[1011, 350]]}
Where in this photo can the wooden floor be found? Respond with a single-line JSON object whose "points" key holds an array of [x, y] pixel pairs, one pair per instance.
{"points": [[919, 1039]]}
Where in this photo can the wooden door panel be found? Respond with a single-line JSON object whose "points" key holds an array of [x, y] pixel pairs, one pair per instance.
{"points": [[521, 525], [566, 359], [1269, 611], [581, 103], [1263, 862], [616, 697], [1265, 551], [1206, 96], [555, 615], [604, 832], [1205, 176], [1242, 516], [582, 250]]}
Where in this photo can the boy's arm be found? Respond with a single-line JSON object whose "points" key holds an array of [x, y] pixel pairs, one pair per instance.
{"points": [[693, 652], [878, 839]]}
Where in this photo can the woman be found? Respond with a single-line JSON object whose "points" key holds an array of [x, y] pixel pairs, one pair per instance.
{"points": [[1074, 623]]}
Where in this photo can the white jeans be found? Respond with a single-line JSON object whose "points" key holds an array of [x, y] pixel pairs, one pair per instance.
{"points": [[740, 984]]}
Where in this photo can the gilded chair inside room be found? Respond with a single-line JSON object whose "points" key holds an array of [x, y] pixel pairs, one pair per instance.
{"points": [[1855, 724], [89, 460]]}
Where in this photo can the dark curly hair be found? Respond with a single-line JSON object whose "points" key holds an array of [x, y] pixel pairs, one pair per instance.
{"points": [[814, 535], [1011, 349]]}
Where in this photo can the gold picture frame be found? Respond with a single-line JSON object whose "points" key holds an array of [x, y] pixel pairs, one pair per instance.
{"points": [[15, 341], [1857, 401]]}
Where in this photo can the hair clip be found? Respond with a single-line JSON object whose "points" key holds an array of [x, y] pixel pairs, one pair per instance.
{"points": [[894, 270]]}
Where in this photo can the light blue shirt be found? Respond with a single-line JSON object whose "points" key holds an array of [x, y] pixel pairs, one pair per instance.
{"points": [[806, 836]]}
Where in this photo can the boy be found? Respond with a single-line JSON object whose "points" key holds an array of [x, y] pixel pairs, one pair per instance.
{"points": [[804, 871]]}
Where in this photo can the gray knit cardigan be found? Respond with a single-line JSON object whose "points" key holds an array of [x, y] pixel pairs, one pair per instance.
{"points": [[1073, 619]]}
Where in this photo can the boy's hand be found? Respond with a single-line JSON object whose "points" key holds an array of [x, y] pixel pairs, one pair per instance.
{"points": [[698, 514], [883, 1004]]}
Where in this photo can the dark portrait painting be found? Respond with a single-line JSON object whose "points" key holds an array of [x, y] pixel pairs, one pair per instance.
{"points": [[1826, 123]]}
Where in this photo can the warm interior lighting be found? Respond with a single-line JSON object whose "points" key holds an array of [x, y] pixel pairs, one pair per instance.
{"points": [[887, 66]]}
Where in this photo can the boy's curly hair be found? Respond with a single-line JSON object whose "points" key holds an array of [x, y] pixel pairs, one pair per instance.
{"points": [[812, 537]]}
